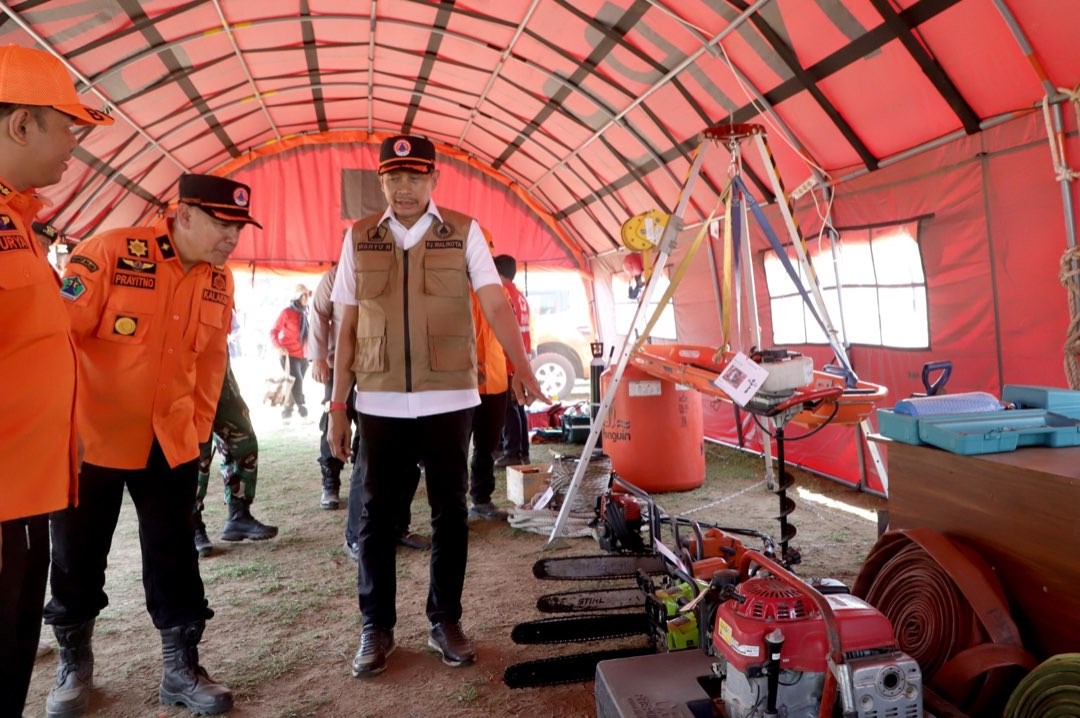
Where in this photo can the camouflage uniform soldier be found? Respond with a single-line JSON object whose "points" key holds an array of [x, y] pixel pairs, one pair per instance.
{"points": [[234, 438]]}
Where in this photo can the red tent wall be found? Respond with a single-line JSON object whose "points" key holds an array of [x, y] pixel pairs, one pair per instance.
{"points": [[297, 197], [991, 252]]}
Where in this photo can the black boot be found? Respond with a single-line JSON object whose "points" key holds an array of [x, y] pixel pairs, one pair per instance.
{"points": [[331, 489], [70, 694], [242, 525], [202, 541], [184, 681]]}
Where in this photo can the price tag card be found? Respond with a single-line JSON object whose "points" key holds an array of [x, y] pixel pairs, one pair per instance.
{"points": [[741, 378]]}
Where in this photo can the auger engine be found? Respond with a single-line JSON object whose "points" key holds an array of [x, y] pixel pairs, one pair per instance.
{"points": [[773, 644]]}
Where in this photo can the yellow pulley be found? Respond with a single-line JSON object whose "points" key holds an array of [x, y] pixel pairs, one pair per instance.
{"points": [[642, 232]]}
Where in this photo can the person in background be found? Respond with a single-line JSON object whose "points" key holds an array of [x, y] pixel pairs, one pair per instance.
{"points": [[407, 341], [290, 335], [515, 436], [38, 440], [149, 310], [234, 438], [492, 382], [325, 319]]}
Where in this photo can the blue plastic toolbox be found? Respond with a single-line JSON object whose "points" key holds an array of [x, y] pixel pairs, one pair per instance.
{"points": [[1000, 431], [1060, 401]]}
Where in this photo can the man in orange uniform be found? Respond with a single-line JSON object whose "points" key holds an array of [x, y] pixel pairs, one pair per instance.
{"points": [[515, 435], [150, 311], [38, 106], [492, 382]]}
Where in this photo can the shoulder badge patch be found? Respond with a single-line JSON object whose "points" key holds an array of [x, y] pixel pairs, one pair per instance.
{"points": [[217, 281], [442, 230], [165, 245], [84, 261], [137, 248], [72, 288]]}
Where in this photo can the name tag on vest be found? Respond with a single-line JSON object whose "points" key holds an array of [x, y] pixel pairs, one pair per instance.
{"points": [[443, 244]]}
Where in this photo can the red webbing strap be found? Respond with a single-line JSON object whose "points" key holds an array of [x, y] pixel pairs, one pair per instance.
{"points": [[949, 613]]}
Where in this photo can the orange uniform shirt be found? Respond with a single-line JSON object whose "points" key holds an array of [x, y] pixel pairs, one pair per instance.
{"points": [[37, 361], [151, 342], [491, 361]]}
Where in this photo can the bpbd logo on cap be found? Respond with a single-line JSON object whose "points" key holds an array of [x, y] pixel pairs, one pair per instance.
{"points": [[240, 197], [402, 148]]}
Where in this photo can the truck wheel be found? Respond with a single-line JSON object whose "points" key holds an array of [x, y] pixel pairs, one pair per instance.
{"points": [[555, 374]]}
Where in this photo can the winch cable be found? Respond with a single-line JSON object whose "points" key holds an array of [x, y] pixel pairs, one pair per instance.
{"points": [[949, 613], [1052, 690]]}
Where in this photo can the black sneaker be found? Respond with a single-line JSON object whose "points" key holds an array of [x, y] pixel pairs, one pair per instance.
{"points": [[506, 460], [488, 512], [352, 550], [450, 641], [331, 499], [375, 645], [202, 543]]}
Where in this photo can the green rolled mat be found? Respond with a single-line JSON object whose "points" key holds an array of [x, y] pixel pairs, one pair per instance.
{"points": [[1052, 690]]}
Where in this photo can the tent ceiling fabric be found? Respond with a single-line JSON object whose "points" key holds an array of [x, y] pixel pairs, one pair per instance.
{"points": [[593, 107]]}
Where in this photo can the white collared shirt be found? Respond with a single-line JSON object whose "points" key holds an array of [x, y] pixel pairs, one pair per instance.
{"points": [[482, 272]]}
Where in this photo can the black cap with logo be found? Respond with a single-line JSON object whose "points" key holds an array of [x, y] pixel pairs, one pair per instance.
{"points": [[220, 197], [407, 152]]}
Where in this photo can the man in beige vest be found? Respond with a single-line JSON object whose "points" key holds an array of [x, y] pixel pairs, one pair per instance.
{"points": [[407, 338]]}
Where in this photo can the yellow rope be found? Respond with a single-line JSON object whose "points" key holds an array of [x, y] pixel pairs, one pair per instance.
{"points": [[1070, 279]]}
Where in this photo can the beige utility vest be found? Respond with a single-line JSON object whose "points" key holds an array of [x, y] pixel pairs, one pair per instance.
{"points": [[414, 327]]}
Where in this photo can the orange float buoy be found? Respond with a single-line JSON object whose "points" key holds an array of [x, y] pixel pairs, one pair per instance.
{"points": [[654, 432]]}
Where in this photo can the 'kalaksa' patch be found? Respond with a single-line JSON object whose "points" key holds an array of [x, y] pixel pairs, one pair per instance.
{"points": [[84, 261], [136, 265], [217, 297], [72, 288]]}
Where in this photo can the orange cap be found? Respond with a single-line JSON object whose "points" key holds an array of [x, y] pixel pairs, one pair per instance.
{"points": [[34, 77]]}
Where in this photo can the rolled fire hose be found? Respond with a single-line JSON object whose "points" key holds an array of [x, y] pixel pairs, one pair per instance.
{"points": [[949, 613], [1052, 690]]}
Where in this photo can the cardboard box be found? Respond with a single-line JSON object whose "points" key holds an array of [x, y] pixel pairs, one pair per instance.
{"points": [[525, 481]]}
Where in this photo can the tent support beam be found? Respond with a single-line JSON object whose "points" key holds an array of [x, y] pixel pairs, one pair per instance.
{"points": [[244, 66]]}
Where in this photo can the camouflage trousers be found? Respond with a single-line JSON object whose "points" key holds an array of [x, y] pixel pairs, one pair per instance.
{"points": [[234, 439]]}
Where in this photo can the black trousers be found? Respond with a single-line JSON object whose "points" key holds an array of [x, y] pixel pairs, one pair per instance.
{"points": [[164, 499], [515, 436], [23, 576], [487, 427], [388, 447], [297, 368]]}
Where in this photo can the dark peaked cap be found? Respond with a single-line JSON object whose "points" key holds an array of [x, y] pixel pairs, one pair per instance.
{"points": [[407, 152], [220, 197]]}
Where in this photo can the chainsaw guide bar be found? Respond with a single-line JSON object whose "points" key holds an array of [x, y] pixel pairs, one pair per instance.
{"points": [[606, 565]]}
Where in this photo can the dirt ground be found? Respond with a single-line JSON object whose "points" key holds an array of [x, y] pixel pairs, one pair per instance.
{"points": [[287, 622]]}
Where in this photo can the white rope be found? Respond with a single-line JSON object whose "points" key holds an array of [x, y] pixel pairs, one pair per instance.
{"points": [[1062, 172], [541, 521], [724, 499]]}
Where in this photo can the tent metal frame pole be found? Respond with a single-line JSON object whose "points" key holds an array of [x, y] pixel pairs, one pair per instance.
{"points": [[1058, 119], [111, 106], [666, 247]]}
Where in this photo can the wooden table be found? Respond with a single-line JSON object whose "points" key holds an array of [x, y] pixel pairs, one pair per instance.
{"points": [[1020, 510]]}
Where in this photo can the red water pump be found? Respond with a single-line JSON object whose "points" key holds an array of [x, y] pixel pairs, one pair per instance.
{"points": [[787, 650]]}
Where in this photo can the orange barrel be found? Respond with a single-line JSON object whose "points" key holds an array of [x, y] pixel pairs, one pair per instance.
{"points": [[653, 432]]}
